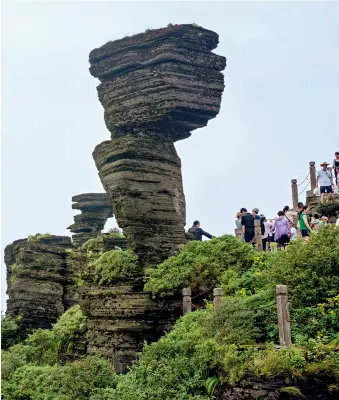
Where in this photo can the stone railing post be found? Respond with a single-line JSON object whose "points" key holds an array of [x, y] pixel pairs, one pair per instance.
{"points": [[258, 236], [295, 199], [313, 177], [217, 297], [186, 301], [283, 316]]}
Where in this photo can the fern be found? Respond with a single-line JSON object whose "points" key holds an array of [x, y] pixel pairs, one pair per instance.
{"points": [[210, 385], [293, 390]]}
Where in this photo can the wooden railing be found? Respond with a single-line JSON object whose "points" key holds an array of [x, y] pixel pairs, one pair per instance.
{"points": [[283, 315]]}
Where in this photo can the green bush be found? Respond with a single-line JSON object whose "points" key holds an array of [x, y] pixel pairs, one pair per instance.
{"points": [[200, 265], [310, 270], [94, 244], [115, 265], [200, 346], [97, 243], [43, 345], [38, 236], [9, 331], [75, 381]]}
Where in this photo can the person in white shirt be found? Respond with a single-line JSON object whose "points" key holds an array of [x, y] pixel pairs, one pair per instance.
{"points": [[337, 223], [268, 226], [294, 235], [325, 181]]}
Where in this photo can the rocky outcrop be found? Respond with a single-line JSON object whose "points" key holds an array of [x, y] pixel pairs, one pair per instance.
{"points": [[251, 388], [95, 209], [156, 88], [35, 279], [121, 317]]}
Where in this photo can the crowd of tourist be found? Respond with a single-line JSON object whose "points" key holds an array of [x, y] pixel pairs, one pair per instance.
{"points": [[283, 229]]}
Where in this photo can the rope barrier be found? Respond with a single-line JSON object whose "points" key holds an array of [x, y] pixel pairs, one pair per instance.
{"points": [[304, 180], [304, 189]]}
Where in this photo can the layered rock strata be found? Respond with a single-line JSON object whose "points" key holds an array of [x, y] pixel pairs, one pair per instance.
{"points": [[121, 317], [35, 279], [95, 209], [156, 88]]}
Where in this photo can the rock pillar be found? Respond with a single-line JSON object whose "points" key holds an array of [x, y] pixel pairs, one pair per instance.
{"points": [[156, 87], [95, 209]]}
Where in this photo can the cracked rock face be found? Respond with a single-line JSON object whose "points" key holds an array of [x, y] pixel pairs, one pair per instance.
{"points": [[35, 278], [156, 87], [95, 209]]}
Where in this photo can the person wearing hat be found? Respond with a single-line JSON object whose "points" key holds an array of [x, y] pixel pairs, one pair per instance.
{"points": [[325, 181]]}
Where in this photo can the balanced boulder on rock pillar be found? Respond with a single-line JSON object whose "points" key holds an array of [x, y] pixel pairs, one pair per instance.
{"points": [[156, 87]]}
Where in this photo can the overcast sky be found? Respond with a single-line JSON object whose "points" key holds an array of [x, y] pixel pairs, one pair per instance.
{"points": [[279, 108]]}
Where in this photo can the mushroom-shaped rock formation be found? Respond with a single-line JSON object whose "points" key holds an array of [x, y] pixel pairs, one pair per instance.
{"points": [[156, 87], [95, 209]]}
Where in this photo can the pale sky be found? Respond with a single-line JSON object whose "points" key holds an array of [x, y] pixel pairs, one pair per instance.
{"points": [[279, 108]]}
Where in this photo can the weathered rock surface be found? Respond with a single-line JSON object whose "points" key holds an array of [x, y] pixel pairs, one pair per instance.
{"points": [[35, 278], [95, 209], [121, 318], [251, 388], [156, 88]]}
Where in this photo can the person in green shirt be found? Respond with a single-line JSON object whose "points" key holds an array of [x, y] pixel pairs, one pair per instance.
{"points": [[304, 222]]}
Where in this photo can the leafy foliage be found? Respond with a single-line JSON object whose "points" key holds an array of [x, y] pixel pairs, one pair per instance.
{"points": [[38, 236], [75, 381], [97, 243], [9, 331], [94, 244], [187, 362], [329, 208], [43, 345], [200, 265], [115, 264], [209, 345]]}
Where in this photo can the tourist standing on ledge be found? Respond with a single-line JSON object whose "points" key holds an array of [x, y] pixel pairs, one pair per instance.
{"points": [[325, 181], [247, 222], [197, 232], [336, 166]]}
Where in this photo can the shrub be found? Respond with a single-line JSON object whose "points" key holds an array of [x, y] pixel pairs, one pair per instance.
{"points": [[200, 346], [69, 323], [75, 381], [9, 331], [116, 234], [94, 244], [38, 236], [310, 270], [115, 264], [200, 265]]}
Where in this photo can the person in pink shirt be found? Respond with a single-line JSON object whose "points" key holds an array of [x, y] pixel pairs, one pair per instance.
{"points": [[282, 230]]}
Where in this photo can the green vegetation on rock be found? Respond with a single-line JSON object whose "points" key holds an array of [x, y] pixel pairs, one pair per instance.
{"points": [[38, 236], [209, 351], [200, 265], [113, 265], [9, 331]]}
